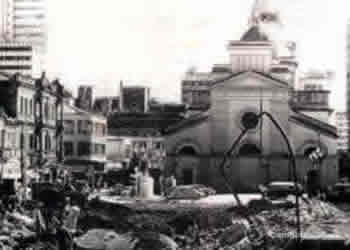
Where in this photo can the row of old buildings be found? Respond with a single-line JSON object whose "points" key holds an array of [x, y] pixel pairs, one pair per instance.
{"points": [[191, 138], [258, 77]]}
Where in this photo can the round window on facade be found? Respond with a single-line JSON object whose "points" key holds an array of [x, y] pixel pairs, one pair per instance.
{"points": [[249, 120]]}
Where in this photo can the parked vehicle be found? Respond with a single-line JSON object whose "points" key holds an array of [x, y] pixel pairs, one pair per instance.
{"points": [[277, 190], [339, 192]]}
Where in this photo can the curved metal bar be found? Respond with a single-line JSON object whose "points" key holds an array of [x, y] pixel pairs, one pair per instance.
{"points": [[292, 156], [223, 164], [295, 176]]}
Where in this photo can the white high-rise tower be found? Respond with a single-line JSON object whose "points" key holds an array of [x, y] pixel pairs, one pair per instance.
{"points": [[25, 21]]}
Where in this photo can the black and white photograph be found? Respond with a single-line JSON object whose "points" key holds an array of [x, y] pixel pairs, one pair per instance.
{"points": [[174, 125]]}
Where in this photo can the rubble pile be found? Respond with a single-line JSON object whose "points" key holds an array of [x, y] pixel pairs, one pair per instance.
{"points": [[195, 227], [318, 219], [311, 212], [100, 239], [17, 230]]}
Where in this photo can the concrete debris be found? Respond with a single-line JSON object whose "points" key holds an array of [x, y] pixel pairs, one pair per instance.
{"points": [[233, 235], [100, 239], [319, 221], [190, 192]]}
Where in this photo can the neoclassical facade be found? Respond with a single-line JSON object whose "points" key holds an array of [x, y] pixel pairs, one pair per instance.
{"points": [[257, 79]]}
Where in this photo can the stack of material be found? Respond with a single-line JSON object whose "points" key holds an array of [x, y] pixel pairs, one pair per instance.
{"points": [[190, 192]]}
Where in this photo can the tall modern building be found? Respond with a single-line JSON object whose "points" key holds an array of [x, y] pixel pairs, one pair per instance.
{"points": [[348, 75], [25, 21], [17, 57]]}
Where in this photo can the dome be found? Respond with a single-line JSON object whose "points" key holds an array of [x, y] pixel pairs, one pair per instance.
{"points": [[254, 35]]}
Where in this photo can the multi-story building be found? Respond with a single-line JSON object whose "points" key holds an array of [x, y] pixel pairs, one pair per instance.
{"points": [[195, 87], [342, 124], [84, 139], [106, 105], [311, 95], [348, 77], [141, 132], [26, 21], [134, 99], [17, 102], [17, 57]]}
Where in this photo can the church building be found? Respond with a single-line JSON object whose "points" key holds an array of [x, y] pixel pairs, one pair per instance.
{"points": [[261, 76]]}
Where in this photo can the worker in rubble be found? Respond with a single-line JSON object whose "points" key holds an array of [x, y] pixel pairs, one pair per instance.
{"points": [[162, 183], [67, 207], [170, 182], [70, 221], [69, 225], [40, 224], [134, 161]]}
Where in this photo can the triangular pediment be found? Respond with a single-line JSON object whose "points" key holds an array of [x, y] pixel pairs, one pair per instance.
{"points": [[251, 80]]}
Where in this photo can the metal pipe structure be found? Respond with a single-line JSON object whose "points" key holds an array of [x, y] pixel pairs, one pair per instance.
{"points": [[229, 185], [295, 175]]}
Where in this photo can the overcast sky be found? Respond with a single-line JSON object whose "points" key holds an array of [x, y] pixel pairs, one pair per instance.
{"points": [[153, 42]]}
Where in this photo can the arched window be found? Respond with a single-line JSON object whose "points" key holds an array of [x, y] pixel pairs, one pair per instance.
{"points": [[187, 150], [249, 149]]}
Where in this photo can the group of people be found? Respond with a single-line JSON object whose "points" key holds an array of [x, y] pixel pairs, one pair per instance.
{"points": [[59, 224]]}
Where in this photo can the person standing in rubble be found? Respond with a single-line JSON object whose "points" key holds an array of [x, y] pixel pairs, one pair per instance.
{"points": [[68, 227], [170, 183], [40, 223], [162, 183]]}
